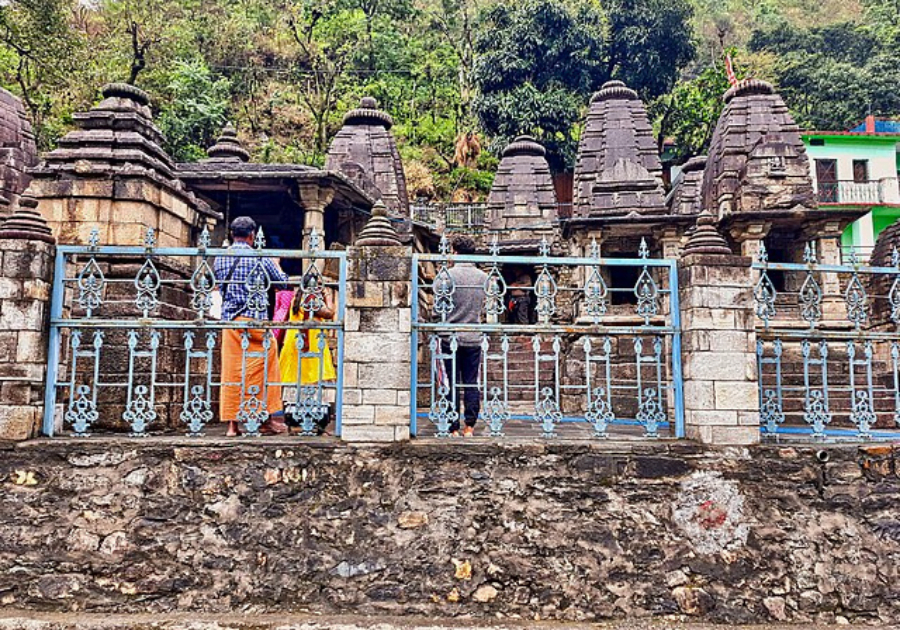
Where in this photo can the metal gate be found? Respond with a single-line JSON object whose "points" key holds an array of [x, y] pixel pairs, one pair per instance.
{"points": [[828, 350], [599, 353], [133, 346]]}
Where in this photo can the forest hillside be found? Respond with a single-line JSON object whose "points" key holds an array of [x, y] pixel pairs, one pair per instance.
{"points": [[454, 74]]}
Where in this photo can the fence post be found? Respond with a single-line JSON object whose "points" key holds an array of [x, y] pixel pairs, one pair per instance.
{"points": [[377, 362], [719, 340], [27, 248]]}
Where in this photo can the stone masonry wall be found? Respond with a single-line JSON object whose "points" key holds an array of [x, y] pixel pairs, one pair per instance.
{"points": [[376, 345], [719, 349], [530, 531], [26, 269]]}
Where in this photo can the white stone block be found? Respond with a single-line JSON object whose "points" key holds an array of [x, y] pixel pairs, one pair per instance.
{"points": [[395, 376], [699, 395], [699, 417], [736, 395], [379, 397], [381, 347], [358, 414], [392, 414], [369, 433], [404, 320]]}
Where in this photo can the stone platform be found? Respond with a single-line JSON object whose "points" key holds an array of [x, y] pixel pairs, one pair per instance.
{"points": [[476, 532]]}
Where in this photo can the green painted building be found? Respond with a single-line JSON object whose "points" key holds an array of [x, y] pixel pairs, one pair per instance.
{"points": [[858, 169]]}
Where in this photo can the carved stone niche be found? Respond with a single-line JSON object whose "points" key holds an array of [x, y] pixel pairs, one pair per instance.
{"points": [[773, 178]]}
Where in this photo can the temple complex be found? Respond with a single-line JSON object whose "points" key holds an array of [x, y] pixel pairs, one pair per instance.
{"points": [[112, 171]]}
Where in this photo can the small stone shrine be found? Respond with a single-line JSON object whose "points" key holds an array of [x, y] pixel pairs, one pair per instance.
{"points": [[757, 179], [365, 151], [522, 202], [288, 200], [618, 171], [112, 174]]}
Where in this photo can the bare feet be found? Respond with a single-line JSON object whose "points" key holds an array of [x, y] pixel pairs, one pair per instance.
{"points": [[233, 429]]}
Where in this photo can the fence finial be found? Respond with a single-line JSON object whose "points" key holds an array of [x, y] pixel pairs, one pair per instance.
{"points": [[94, 238], [762, 255], [895, 256], [260, 240], [495, 246], [594, 249], [314, 240], [643, 250], [444, 247], [150, 238], [809, 254], [545, 247]]}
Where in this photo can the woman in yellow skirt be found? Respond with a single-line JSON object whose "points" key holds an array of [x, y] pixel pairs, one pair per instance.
{"points": [[313, 369]]}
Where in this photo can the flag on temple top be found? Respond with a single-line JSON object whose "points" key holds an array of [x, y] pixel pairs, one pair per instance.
{"points": [[729, 70]]}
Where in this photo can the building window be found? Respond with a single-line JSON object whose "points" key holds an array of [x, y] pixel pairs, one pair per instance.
{"points": [[827, 181], [860, 171]]}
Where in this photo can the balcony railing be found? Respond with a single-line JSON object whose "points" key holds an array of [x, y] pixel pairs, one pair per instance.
{"points": [[851, 192], [464, 217]]}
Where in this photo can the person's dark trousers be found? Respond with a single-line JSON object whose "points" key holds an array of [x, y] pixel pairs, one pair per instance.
{"points": [[520, 309], [468, 360]]}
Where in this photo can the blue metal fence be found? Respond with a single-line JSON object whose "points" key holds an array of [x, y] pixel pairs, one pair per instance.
{"points": [[133, 345], [593, 357], [828, 348]]}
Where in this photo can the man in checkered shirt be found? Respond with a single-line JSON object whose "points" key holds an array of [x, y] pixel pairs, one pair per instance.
{"points": [[250, 377]]}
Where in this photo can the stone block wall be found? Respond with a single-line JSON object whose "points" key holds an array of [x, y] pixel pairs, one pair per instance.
{"points": [[120, 210], [377, 361], [719, 349], [562, 531], [25, 284]]}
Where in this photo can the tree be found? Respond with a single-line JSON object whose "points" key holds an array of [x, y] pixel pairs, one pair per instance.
{"points": [[649, 43], [536, 62], [832, 76], [324, 34], [688, 114], [539, 60], [42, 55], [194, 111]]}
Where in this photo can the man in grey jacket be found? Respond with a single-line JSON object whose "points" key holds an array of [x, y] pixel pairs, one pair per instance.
{"points": [[468, 307]]}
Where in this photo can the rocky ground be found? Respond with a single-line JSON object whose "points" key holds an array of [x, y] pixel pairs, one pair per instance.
{"points": [[20, 620]]}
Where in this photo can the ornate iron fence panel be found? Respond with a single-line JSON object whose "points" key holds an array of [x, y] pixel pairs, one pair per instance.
{"points": [[828, 348], [134, 346], [577, 347]]}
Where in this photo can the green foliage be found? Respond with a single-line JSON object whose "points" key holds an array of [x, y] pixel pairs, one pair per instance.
{"points": [[285, 71], [41, 56], [689, 113], [539, 60], [649, 43], [832, 76], [194, 110]]}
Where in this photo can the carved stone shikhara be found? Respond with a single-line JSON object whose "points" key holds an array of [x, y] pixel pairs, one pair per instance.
{"points": [[365, 151]]}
